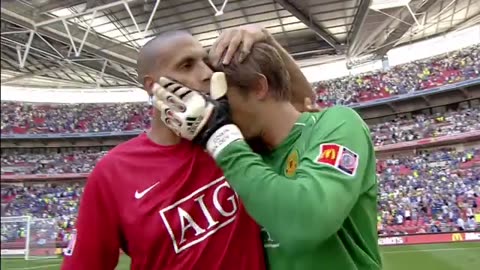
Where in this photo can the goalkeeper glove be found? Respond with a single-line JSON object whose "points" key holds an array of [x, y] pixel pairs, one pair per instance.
{"points": [[197, 117]]}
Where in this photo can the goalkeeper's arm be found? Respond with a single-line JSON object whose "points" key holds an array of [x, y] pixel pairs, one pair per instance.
{"points": [[96, 245]]}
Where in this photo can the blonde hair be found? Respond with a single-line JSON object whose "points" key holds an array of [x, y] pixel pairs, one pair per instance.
{"points": [[263, 59]]}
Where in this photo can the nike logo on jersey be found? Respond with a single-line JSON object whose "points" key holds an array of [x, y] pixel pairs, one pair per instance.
{"points": [[139, 195]]}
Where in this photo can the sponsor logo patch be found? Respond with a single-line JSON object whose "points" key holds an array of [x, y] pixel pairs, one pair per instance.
{"points": [[339, 157], [457, 237], [201, 214], [329, 154]]}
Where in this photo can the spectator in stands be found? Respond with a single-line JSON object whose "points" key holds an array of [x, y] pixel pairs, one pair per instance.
{"points": [[430, 191], [23, 118], [436, 186], [402, 79], [400, 130], [56, 203], [76, 161], [19, 118], [423, 126]]}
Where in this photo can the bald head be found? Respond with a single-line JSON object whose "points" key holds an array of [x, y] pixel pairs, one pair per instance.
{"points": [[151, 53], [176, 55]]}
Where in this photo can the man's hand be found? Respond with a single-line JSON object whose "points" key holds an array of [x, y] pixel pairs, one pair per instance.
{"points": [[243, 38], [193, 115], [240, 38]]}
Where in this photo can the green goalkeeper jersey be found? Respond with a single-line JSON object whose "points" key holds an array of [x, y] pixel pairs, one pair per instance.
{"points": [[314, 195]]}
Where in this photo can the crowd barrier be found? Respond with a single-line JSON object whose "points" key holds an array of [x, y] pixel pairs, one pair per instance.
{"points": [[432, 238]]}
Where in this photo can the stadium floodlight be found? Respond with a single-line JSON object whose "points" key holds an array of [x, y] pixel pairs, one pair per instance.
{"points": [[27, 237], [385, 4]]}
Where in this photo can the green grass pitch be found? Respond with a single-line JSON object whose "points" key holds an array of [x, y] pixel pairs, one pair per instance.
{"points": [[453, 256]]}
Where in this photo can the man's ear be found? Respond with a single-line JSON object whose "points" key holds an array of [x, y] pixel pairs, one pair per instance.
{"points": [[260, 87], [148, 82]]}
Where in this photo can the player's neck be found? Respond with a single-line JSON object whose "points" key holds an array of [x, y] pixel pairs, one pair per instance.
{"points": [[279, 124], [159, 133]]}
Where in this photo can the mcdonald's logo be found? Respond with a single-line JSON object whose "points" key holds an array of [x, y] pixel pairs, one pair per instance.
{"points": [[330, 154], [457, 237]]}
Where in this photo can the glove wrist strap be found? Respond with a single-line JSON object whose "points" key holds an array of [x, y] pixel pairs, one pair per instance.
{"points": [[223, 137]]}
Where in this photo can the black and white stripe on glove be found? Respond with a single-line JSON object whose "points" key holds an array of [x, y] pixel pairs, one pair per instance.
{"points": [[193, 115]]}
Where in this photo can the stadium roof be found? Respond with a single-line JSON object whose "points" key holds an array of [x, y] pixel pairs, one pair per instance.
{"points": [[94, 43]]}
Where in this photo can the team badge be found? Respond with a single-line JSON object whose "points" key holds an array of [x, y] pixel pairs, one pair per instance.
{"points": [[339, 157], [292, 164]]}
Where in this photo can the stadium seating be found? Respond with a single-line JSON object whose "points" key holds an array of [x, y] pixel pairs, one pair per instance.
{"points": [[401, 79], [426, 126], [59, 201], [429, 191], [23, 118], [71, 161], [423, 192], [64, 118], [401, 130]]}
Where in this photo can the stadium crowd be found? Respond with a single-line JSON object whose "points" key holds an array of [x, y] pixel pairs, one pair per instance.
{"points": [[23, 118], [72, 161], [428, 191], [399, 130], [402, 79], [57, 204], [403, 129]]}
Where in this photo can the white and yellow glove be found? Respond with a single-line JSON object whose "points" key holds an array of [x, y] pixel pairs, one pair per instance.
{"points": [[197, 117]]}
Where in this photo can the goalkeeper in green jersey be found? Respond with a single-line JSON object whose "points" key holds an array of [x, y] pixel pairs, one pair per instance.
{"points": [[314, 188]]}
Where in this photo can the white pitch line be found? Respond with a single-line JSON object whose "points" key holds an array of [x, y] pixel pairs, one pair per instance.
{"points": [[427, 250], [23, 259], [35, 267]]}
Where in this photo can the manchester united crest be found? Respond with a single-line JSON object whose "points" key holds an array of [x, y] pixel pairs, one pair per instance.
{"points": [[291, 164]]}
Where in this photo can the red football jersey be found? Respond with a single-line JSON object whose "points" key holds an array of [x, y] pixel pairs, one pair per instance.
{"points": [[167, 207]]}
